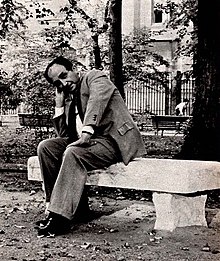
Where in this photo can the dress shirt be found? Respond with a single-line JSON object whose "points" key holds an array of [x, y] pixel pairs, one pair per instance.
{"points": [[79, 126]]}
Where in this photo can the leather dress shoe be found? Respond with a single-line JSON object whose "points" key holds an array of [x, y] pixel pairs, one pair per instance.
{"points": [[41, 223], [56, 225]]}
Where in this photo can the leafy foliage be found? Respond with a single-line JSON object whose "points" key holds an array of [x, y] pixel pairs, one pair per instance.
{"points": [[139, 61], [184, 19], [96, 27], [26, 80], [34, 91], [74, 20], [12, 16]]}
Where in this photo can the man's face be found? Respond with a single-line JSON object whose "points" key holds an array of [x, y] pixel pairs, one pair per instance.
{"points": [[64, 80]]}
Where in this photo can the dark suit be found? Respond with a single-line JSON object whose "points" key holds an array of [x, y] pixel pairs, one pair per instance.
{"points": [[116, 138]]}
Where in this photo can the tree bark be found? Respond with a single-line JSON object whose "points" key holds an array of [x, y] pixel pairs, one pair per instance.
{"points": [[115, 45], [203, 139], [96, 51]]}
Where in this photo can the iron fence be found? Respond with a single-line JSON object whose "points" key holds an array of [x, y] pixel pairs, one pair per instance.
{"points": [[153, 97], [187, 91]]}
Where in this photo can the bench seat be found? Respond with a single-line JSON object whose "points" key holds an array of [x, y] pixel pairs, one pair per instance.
{"points": [[179, 186]]}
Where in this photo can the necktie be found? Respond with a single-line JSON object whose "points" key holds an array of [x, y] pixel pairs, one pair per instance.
{"points": [[72, 120]]}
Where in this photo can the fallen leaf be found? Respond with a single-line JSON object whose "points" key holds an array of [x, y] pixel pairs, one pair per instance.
{"points": [[86, 245], [33, 192], [120, 198], [126, 244], [184, 248], [206, 248], [19, 226], [215, 251], [113, 230], [158, 238]]}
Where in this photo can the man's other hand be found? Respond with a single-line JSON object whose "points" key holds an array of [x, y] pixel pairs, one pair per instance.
{"points": [[83, 141]]}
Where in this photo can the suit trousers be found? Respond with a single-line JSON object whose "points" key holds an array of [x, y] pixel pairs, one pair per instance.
{"points": [[64, 170]]}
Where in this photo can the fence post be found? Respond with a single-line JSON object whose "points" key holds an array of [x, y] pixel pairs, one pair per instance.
{"points": [[178, 87], [167, 99], [167, 94], [176, 90]]}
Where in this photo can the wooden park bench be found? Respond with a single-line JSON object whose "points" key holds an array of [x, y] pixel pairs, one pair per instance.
{"points": [[33, 120], [179, 187], [168, 122], [39, 123]]}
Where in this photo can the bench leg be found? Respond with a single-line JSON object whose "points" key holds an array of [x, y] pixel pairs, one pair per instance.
{"points": [[173, 210]]}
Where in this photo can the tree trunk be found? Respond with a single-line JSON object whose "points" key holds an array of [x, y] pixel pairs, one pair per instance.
{"points": [[176, 91], [203, 139], [115, 45], [96, 51]]}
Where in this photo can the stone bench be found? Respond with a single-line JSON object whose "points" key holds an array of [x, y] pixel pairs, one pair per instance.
{"points": [[179, 186]]}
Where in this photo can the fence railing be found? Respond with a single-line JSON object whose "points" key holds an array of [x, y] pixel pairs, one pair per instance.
{"points": [[145, 96], [156, 98]]}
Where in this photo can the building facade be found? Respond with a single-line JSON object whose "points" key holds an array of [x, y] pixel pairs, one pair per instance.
{"points": [[138, 14]]}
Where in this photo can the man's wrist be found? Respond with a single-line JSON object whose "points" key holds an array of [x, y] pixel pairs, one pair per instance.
{"points": [[86, 132], [88, 129]]}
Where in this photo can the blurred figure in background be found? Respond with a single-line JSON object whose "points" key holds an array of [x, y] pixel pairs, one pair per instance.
{"points": [[181, 107]]}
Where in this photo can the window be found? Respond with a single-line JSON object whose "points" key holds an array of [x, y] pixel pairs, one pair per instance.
{"points": [[158, 15]]}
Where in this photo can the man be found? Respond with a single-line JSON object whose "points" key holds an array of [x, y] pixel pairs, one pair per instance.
{"points": [[108, 135], [181, 107]]}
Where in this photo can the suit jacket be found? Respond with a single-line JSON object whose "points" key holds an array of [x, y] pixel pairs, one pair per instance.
{"points": [[102, 107]]}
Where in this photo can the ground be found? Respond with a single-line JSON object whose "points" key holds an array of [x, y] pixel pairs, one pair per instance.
{"points": [[122, 230]]}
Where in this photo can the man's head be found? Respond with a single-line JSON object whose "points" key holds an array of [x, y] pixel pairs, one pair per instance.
{"points": [[61, 74]]}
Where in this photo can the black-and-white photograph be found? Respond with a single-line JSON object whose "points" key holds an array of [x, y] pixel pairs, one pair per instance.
{"points": [[109, 130]]}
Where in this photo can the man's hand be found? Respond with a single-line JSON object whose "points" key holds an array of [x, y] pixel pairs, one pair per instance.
{"points": [[59, 99], [83, 141]]}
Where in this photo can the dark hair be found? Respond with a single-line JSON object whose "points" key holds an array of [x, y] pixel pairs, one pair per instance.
{"points": [[59, 60]]}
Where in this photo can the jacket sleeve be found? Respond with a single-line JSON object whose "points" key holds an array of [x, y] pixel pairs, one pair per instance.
{"points": [[101, 90], [60, 126]]}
